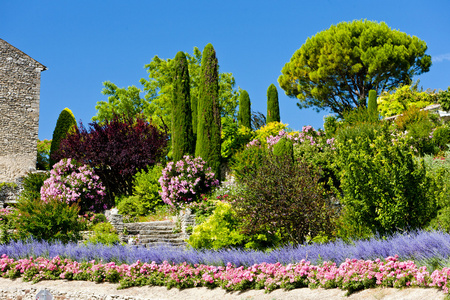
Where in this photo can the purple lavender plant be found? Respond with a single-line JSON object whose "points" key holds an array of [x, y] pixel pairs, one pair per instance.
{"points": [[184, 181], [72, 182]]}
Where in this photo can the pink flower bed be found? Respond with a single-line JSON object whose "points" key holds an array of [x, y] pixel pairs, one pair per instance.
{"points": [[352, 275]]}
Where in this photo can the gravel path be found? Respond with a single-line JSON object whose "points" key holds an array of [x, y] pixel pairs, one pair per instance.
{"points": [[64, 290]]}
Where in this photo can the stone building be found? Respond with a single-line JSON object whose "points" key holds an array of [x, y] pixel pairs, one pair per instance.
{"points": [[20, 79]]}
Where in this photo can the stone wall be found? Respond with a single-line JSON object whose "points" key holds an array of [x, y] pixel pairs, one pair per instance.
{"points": [[20, 77]]}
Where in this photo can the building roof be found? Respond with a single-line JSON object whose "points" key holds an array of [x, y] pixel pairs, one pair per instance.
{"points": [[24, 54]]}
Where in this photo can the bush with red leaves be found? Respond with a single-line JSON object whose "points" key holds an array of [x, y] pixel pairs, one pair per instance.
{"points": [[116, 149]]}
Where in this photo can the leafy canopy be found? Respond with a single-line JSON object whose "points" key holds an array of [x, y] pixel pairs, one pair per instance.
{"points": [[156, 103], [337, 67]]}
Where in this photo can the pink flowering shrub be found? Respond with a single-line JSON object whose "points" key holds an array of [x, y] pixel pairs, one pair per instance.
{"points": [[72, 182], [183, 182], [352, 275]]}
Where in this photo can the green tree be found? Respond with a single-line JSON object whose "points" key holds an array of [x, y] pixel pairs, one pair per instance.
{"points": [[273, 108], [121, 102], [66, 122], [155, 106], [208, 145], [183, 140], [372, 104], [337, 67], [244, 117]]}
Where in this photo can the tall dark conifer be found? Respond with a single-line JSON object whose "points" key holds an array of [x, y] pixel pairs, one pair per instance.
{"points": [[372, 104], [273, 108], [183, 141], [244, 116], [208, 126]]}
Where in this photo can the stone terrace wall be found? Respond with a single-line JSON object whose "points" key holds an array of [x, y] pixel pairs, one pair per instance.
{"points": [[20, 77]]}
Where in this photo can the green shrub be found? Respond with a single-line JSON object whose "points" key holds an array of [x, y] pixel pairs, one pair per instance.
{"points": [[54, 220], [444, 99], [284, 198], [234, 137], [129, 206], [104, 233], [145, 196], [32, 184], [438, 168], [7, 220], [147, 188], [382, 183], [418, 128], [441, 137], [245, 160], [284, 147], [222, 230]]}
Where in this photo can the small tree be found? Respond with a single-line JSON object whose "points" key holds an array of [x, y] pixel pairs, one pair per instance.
{"points": [[285, 197], [116, 150], [66, 121], [381, 182], [183, 141], [208, 145], [244, 117], [372, 104], [273, 108]]}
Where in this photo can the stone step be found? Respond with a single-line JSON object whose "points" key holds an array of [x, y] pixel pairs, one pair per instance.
{"points": [[153, 231], [153, 240], [161, 236]]}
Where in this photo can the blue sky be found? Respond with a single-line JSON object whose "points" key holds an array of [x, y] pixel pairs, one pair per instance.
{"points": [[84, 43]]}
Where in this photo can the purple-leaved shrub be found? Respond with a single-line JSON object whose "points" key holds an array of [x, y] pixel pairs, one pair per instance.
{"points": [[72, 182], [183, 182]]}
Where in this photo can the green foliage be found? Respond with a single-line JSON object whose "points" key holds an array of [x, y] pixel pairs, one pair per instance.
{"points": [[247, 159], [337, 67], [372, 104], [183, 139], [32, 184], [284, 147], [270, 129], [418, 126], [145, 196], [330, 125], [444, 99], [208, 145], [284, 198], [7, 220], [273, 108], [104, 233], [234, 137], [441, 137], [43, 155], [244, 116], [218, 231], [65, 124], [222, 230], [121, 102], [51, 221], [381, 183], [403, 98], [438, 168]]}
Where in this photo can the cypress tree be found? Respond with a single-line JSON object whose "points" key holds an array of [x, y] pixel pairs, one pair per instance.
{"points": [[244, 116], [372, 104], [66, 122], [183, 141], [208, 126], [273, 108]]}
